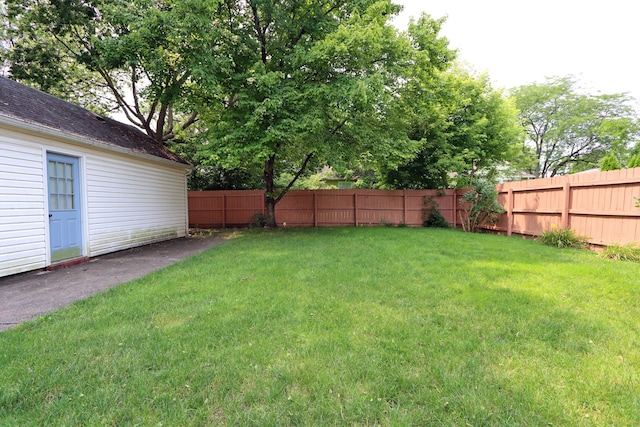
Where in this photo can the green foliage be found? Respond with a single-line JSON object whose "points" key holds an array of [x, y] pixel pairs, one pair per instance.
{"points": [[431, 215], [209, 172], [634, 162], [562, 238], [628, 252], [463, 125], [479, 206], [151, 60], [216, 178], [321, 88], [568, 130], [270, 89], [610, 163], [258, 220], [325, 179]]}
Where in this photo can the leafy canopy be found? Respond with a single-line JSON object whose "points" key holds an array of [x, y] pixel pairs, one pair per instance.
{"points": [[245, 85], [317, 83], [610, 163], [147, 59], [463, 126], [569, 130]]}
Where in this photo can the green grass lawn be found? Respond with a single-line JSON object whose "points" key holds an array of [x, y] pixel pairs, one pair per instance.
{"points": [[351, 326]]}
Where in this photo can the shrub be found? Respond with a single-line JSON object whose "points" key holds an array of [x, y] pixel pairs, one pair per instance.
{"points": [[628, 252], [480, 207], [562, 238], [610, 163], [634, 162], [431, 216], [258, 220]]}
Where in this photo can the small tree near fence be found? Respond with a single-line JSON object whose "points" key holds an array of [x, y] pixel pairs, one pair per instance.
{"points": [[479, 207], [431, 216]]}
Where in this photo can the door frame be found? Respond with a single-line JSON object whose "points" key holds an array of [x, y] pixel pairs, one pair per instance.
{"points": [[81, 200]]}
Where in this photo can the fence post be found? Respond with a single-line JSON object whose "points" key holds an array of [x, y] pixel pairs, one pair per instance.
{"points": [[224, 210], [315, 209], [455, 208], [355, 208], [404, 206], [510, 202], [566, 194]]}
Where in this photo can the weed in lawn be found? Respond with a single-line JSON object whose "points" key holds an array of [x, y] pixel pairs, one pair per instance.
{"points": [[359, 326]]}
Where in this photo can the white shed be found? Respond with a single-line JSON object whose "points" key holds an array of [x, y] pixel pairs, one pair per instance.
{"points": [[74, 184]]}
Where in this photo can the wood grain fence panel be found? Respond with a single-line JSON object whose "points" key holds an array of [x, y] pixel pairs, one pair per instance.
{"points": [[336, 208], [297, 209], [320, 207], [241, 207], [533, 223], [598, 205], [223, 208], [384, 207], [205, 210], [414, 203]]}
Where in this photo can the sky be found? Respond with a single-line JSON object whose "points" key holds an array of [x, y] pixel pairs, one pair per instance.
{"points": [[519, 42]]}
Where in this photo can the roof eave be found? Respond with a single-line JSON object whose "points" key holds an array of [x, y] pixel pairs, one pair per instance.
{"points": [[75, 139]]}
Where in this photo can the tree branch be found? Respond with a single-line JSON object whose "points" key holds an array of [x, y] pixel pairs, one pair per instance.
{"points": [[260, 32], [295, 178]]}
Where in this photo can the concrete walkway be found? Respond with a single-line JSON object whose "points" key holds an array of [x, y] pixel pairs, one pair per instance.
{"points": [[28, 295]]}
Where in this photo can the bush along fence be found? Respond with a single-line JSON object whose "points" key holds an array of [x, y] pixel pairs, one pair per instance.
{"points": [[322, 208], [600, 206]]}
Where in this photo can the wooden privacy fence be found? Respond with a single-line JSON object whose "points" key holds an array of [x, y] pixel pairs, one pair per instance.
{"points": [[601, 206], [320, 208]]}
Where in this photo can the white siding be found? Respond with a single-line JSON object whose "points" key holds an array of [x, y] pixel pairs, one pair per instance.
{"points": [[131, 203], [127, 201], [23, 242]]}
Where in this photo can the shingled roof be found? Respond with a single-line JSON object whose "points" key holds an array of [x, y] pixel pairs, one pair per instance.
{"points": [[33, 106]]}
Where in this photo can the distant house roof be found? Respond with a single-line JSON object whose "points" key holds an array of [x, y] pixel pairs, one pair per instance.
{"points": [[33, 106]]}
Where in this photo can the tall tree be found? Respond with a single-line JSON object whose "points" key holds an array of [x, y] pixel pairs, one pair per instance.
{"points": [[568, 129], [141, 57], [317, 85], [284, 85], [463, 124]]}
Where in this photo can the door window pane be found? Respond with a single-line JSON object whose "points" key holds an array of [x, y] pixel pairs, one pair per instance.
{"points": [[61, 194]]}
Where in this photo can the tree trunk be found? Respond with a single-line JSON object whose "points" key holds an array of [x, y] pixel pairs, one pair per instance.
{"points": [[270, 199]]}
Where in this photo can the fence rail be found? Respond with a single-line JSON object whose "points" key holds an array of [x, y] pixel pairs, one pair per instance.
{"points": [[320, 208], [601, 206]]}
